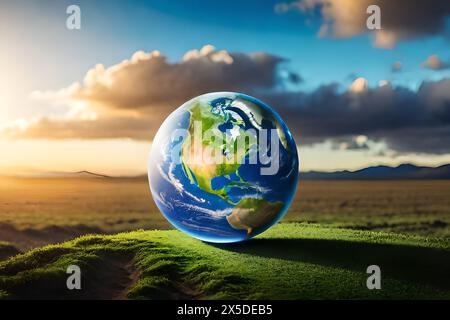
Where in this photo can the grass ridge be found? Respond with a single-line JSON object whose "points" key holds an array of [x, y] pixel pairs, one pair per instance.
{"points": [[289, 261]]}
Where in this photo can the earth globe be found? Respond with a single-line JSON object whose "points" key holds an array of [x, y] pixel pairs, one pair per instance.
{"points": [[223, 167]]}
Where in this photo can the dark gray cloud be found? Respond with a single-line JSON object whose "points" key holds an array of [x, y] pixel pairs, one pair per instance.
{"points": [[407, 120]]}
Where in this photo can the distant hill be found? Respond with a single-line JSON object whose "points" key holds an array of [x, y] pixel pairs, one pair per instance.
{"points": [[85, 174], [402, 172], [57, 174]]}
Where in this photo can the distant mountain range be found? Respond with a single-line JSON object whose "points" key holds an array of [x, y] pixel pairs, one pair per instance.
{"points": [[402, 172]]}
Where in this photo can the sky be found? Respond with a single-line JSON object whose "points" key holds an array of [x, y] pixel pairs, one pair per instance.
{"points": [[93, 98]]}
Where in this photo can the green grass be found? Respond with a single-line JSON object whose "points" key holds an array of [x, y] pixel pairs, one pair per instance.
{"points": [[290, 261]]}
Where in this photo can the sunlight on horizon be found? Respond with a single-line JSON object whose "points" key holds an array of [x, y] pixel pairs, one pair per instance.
{"points": [[124, 157]]}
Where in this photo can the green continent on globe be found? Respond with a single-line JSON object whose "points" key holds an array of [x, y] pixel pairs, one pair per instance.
{"points": [[213, 158], [251, 213]]}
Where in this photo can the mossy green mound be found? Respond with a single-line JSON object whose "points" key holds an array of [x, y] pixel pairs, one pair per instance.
{"points": [[290, 261]]}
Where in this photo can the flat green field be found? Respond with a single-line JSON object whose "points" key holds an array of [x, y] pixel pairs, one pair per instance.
{"points": [[290, 261]]}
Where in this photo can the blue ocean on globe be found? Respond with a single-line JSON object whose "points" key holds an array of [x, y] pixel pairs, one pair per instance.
{"points": [[223, 167]]}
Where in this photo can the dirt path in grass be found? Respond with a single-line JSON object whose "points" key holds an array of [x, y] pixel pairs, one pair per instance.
{"points": [[118, 275]]}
